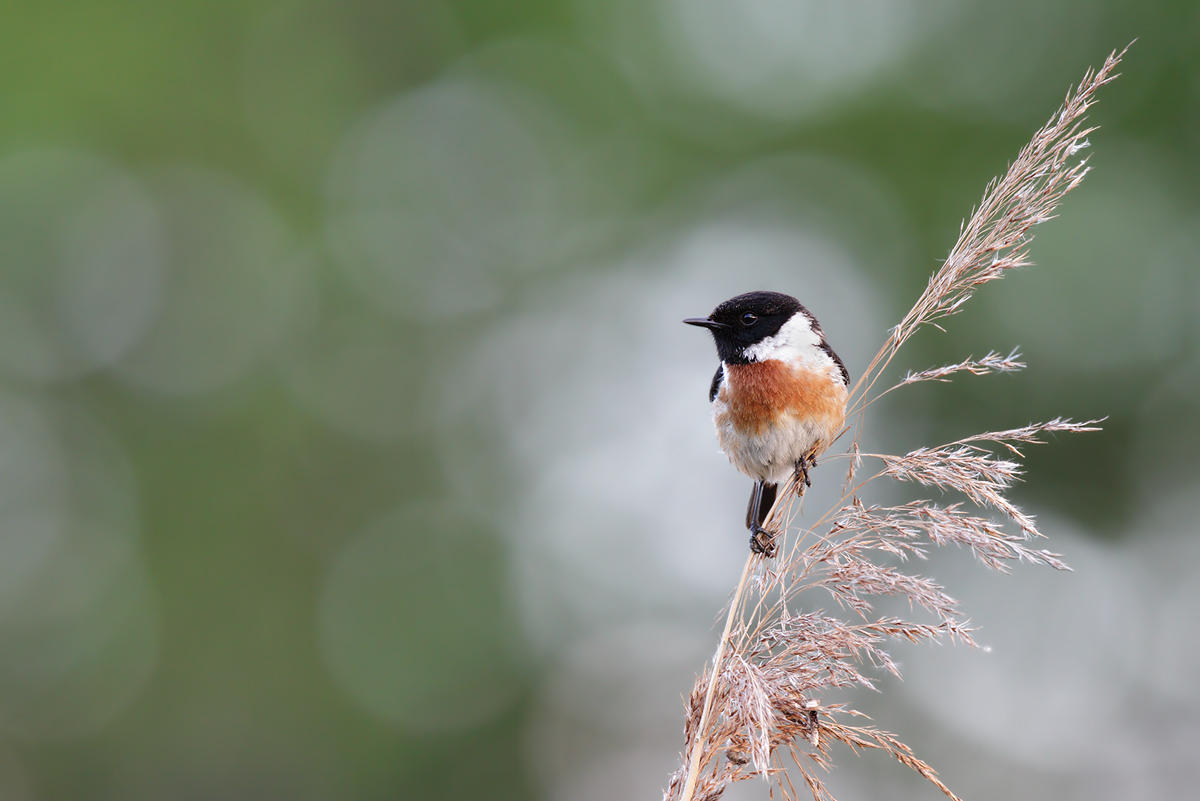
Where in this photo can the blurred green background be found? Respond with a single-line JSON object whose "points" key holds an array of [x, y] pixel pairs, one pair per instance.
{"points": [[350, 447]]}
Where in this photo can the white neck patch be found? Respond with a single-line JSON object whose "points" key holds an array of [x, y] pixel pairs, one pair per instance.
{"points": [[796, 343]]}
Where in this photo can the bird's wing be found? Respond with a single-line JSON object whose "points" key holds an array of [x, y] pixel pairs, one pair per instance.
{"points": [[841, 366], [716, 383]]}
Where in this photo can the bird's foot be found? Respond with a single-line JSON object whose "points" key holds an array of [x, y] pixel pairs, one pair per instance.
{"points": [[763, 541], [802, 468]]}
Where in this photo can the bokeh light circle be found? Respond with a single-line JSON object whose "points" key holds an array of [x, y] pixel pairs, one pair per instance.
{"points": [[79, 626], [441, 196], [82, 248], [311, 67], [770, 62], [33, 492], [784, 57], [235, 285]]}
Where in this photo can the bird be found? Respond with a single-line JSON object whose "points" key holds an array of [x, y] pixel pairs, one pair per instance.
{"points": [[778, 397]]}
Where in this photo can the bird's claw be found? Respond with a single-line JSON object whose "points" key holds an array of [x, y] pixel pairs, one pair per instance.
{"points": [[763, 541], [802, 468]]}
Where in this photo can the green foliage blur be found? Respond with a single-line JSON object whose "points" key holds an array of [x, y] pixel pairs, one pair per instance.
{"points": [[290, 292]]}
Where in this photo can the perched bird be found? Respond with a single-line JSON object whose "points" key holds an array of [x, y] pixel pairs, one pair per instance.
{"points": [[778, 398]]}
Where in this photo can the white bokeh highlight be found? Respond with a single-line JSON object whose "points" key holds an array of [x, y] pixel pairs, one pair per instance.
{"points": [[770, 62], [440, 197], [82, 244], [785, 57]]}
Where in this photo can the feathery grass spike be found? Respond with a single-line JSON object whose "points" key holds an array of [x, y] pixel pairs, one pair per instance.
{"points": [[758, 708]]}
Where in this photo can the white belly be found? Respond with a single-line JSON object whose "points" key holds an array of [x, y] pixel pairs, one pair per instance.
{"points": [[772, 455]]}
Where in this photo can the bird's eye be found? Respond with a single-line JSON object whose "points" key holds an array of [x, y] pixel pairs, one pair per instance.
{"points": [[749, 318]]}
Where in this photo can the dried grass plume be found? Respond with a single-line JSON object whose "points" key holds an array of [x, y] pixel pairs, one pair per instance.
{"points": [[759, 706]]}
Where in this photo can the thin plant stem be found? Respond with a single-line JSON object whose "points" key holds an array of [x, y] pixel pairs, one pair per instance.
{"points": [[698, 749]]}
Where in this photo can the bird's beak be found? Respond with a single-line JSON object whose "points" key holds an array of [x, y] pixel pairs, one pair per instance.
{"points": [[705, 322]]}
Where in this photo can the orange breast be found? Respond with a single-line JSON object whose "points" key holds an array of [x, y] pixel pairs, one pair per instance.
{"points": [[760, 393]]}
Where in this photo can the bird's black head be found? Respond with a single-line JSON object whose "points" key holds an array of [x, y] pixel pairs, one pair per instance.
{"points": [[747, 320]]}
